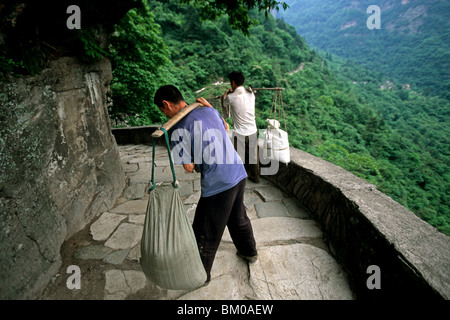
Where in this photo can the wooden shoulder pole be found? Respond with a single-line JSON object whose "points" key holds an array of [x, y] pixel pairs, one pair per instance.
{"points": [[257, 89], [269, 89], [175, 119]]}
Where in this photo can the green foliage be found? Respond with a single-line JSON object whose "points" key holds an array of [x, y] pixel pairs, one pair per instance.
{"points": [[139, 56], [8, 64], [91, 49], [205, 52], [237, 11], [362, 165], [406, 136]]}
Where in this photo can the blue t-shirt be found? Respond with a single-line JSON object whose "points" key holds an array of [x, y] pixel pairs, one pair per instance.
{"points": [[201, 138]]}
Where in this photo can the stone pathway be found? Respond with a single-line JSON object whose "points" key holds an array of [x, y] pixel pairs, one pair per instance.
{"points": [[293, 263]]}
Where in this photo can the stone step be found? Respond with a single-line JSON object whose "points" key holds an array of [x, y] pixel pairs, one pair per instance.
{"points": [[297, 272], [274, 230], [229, 279], [283, 272], [131, 207], [103, 227]]}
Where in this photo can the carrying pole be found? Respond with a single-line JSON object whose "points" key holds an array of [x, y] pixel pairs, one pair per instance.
{"points": [[271, 89], [256, 89], [175, 119]]}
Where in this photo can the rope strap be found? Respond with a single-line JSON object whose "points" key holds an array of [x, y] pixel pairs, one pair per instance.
{"points": [[277, 103], [175, 182]]}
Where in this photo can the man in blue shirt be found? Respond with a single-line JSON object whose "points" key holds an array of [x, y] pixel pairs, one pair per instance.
{"points": [[200, 140]]}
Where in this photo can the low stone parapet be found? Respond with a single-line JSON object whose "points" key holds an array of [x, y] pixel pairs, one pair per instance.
{"points": [[386, 249], [134, 135]]}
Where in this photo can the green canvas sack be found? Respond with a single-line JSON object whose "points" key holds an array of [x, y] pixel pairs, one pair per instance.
{"points": [[170, 257]]}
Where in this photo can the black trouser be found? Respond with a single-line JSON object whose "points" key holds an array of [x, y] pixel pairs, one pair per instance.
{"points": [[213, 214], [248, 150]]}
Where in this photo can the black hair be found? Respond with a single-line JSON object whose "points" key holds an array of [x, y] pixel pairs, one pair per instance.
{"points": [[237, 77], [169, 93]]}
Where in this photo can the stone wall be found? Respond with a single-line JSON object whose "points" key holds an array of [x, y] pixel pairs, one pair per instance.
{"points": [[59, 167], [135, 135], [364, 227]]}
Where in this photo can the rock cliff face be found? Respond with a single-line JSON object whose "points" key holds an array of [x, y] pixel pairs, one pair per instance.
{"points": [[59, 167]]}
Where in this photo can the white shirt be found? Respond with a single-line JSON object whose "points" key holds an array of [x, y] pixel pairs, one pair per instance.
{"points": [[241, 104]]}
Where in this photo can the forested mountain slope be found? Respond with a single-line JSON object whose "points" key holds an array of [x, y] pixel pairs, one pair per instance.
{"points": [[411, 46], [351, 125]]}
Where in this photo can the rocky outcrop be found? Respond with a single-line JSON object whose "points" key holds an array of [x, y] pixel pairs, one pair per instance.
{"points": [[59, 167]]}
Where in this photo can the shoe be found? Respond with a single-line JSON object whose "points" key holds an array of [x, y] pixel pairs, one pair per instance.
{"points": [[250, 259], [208, 280]]}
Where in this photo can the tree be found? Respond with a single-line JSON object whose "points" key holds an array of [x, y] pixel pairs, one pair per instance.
{"points": [[237, 10], [138, 55]]}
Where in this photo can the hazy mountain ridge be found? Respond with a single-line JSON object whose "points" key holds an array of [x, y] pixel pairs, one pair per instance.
{"points": [[412, 45]]}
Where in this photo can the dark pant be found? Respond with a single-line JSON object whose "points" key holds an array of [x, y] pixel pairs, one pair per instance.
{"points": [[213, 214], [247, 148]]}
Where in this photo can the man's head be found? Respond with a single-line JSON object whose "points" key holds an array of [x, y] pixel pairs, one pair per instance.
{"points": [[169, 100], [236, 79]]}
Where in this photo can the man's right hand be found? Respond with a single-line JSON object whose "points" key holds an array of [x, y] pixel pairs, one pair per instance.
{"points": [[227, 92]]}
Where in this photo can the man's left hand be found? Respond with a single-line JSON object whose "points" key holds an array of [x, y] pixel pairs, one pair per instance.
{"points": [[204, 102]]}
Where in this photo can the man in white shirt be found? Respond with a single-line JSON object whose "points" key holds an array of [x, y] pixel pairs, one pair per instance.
{"points": [[240, 104]]}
